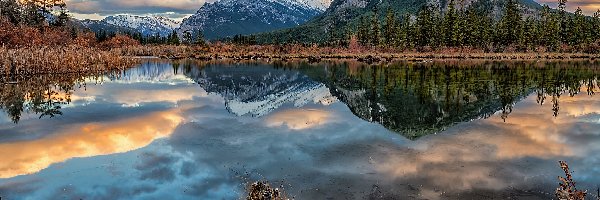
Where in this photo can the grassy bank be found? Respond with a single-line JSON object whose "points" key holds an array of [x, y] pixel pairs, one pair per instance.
{"points": [[313, 53], [57, 60]]}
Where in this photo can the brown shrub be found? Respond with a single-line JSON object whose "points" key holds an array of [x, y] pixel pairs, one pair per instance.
{"points": [[566, 189], [86, 39], [119, 41], [25, 37]]}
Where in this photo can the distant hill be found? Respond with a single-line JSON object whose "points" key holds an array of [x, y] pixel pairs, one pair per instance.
{"points": [[343, 14]]}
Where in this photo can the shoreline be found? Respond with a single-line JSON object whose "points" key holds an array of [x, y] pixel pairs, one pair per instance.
{"points": [[386, 58]]}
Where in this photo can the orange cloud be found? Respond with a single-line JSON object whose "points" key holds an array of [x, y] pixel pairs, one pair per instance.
{"points": [[86, 140], [464, 159], [298, 119]]}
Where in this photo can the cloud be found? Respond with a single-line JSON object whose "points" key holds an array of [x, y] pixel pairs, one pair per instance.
{"points": [[86, 140], [141, 7], [298, 119], [587, 6]]}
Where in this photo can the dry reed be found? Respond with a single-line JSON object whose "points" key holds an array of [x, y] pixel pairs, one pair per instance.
{"points": [[315, 53], [57, 60]]}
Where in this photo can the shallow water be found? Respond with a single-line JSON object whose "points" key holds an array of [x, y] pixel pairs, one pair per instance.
{"points": [[337, 130]]}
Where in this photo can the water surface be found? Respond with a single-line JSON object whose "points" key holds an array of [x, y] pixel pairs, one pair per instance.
{"points": [[335, 130]]}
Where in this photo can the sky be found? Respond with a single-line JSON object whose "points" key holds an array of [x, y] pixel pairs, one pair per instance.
{"points": [[180, 9], [98, 9]]}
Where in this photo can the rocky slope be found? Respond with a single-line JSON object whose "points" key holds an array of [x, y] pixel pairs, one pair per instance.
{"points": [[226, 18]]}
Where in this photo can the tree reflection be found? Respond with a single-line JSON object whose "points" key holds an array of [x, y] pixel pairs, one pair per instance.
{"points": [[43, 95], [417, 99]]}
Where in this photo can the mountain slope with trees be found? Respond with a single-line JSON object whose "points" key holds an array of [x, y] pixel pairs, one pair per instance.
{"points": [[491, 25]]}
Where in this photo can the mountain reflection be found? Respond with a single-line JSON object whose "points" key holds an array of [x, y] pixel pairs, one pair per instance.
{"points": [[418, 99], [413, 99]]}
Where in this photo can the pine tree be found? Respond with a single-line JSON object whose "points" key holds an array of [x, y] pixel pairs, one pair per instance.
{"points": [[363, 31], [32, 14], [510, 24], [549, 27], [450, 25], [595, 27], [390, 29], [578, 29], [375, 29], [199, 38], [404, 33], [564, 22], [62, 18], [528, 35], [11, 10], [423, 27], [174, 38], [187, 37]]}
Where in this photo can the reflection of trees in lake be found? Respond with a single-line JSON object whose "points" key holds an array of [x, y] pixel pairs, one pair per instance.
{"points": [[420, 99], [42, 94]]}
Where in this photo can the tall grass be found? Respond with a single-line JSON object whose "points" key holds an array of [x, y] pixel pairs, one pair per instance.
{"points": [[314, 52], [60, 59]]}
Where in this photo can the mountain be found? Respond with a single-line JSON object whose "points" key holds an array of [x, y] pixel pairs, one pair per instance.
{"points": [[258, 90], [101, 26], [344, 14], [147, 25], [226, 18]]}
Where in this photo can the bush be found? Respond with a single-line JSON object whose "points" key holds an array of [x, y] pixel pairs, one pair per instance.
{"points": [[119, 41]]}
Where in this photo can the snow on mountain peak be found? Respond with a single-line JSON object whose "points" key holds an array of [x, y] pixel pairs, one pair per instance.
{"points": [[147, 25]]}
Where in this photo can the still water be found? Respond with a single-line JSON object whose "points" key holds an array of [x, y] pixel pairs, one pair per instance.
{"points": [[336, 130]]}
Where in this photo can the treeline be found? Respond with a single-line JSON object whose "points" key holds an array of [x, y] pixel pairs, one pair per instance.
{"points": [[553, 30], [187, 38]]}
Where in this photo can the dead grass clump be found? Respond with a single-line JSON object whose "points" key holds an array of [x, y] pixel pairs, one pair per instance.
{"points": [[56, 60], [263, 191], [566, 189]]}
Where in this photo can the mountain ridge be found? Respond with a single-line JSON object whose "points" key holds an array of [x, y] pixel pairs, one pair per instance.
{"points": [[227, 18]]}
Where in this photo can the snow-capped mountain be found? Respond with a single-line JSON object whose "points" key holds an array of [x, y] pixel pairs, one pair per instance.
{"points": [[258, 90], [147, 25], [231, 17], [98, 26]]}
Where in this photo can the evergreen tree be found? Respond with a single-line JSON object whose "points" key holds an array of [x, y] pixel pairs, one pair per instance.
{"points": [[423, 27], [510, 24], [595, 27], [528, 35], [32, 14], [174, 38], [62, 18], [549, 27], [564, 22], [11, 10], [451, 25], [199, 38], [187, 37], [579, 28], [363, 31], [405, 33], [375, 29], [390, 29]]}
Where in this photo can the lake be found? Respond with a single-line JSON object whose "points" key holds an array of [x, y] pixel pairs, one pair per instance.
{"points": [[333, 130]]}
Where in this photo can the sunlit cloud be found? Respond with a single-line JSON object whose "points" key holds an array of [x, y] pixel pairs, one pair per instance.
{"points": [[298, 119], [587, 6], [86, 140], [98, 9], [469, 159]]}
